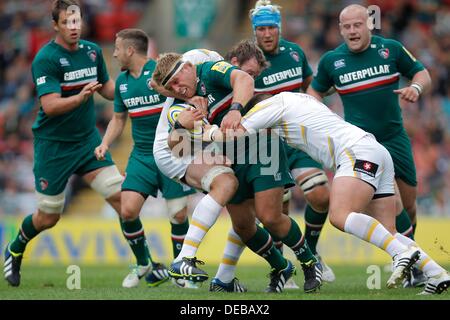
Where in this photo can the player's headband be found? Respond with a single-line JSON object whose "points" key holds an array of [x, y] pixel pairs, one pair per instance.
{"points": [[266, 16], [175, 69]]}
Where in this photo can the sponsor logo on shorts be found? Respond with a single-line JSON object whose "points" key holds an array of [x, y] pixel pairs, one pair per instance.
{"points": [[367, 167]]}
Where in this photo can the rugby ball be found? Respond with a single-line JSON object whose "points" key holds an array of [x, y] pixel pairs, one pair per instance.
{"points": [[174, 112]]}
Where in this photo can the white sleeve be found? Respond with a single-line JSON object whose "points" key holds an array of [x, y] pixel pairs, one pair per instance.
{"points": [[266, 114]]}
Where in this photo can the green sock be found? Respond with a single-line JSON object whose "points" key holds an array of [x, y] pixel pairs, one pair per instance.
{"points": [[295, 240], [262, 245], [134, 233], [314, 222], [277, 243], [26, 232], [403, 225], [178, 233]]}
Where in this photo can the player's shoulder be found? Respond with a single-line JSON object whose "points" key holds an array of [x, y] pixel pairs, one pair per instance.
{"points": [[380, 40], [122, 77], [88, 45], [46, 54], [287, 46]]}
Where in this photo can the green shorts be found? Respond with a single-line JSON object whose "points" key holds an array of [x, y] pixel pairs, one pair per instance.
{"points": [[143, 176], [256, 174], [56, 161], [400, 149], [298, 159]]}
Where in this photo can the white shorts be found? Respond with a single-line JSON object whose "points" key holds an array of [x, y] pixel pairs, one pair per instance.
{"points": [[171, 166], [369, 161]]}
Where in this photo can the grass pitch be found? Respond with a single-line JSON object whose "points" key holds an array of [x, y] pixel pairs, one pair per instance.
{"points": [[104, 282]]}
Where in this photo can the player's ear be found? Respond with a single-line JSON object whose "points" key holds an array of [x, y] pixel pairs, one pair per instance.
{"points": [[234, 61], [55, 25]]}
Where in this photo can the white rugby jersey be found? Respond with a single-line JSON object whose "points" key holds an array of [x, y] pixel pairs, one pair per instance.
{"points": [[306, 124], [160, 147]]}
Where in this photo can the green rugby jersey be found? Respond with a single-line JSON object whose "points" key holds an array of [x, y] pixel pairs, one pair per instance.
{"points": [[144, 106], [287, 71], [214, 83], [366, 80], [58, 70]]}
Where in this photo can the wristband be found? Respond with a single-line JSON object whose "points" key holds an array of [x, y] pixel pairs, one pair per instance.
{"points": [[237, 106], [418, 87], [213, 129], [178, 125]]}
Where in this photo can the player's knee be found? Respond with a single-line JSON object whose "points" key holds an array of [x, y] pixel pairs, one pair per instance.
{"points": [[129, 212], [319, 198], [176, 210], [108, 182], [220, 178], [337, 218], [46, 220]]}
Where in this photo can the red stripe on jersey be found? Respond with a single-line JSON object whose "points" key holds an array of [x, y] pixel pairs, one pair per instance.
{"points": [[369, 85], [145, 113], [282, 89], [220, 109], [75, 87]]}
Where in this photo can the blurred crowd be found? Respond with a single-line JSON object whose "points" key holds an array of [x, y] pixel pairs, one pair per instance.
{"points": [[423, 26], [22, 33]]}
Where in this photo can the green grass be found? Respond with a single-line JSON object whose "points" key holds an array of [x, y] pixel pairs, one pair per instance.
{"points": [[105, 283]]}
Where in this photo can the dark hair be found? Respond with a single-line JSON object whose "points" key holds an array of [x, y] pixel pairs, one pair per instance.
{"points": [[137, 38], [244, 51], [62, 5], [257, 98]]}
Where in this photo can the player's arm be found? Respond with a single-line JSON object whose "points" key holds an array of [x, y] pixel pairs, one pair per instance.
{"points": [[322, 84], [54, 105], [113, 131], [107, 91], [413, 69], [420, 83], [243, 87]]}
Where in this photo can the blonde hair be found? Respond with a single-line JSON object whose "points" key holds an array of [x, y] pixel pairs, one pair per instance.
{"points": [[262, 3], [164, 65]]}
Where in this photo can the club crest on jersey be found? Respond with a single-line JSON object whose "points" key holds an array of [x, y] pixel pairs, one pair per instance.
{"points": [[149, 83], [384, 53], [339, 64], [295, 56], [202, 89], [92, 55], [43, 183]]}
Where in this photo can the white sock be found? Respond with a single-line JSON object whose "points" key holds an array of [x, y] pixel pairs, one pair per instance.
{"points": [[231, 255], [370, 230], [203, 218], [425, 263]]}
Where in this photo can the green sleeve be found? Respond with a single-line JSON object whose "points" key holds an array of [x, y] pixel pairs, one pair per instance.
{"points": [[407, 64], [306, 68], [45, 77], [119, 106], [322, 81], [102, 72], [220, 74]]}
